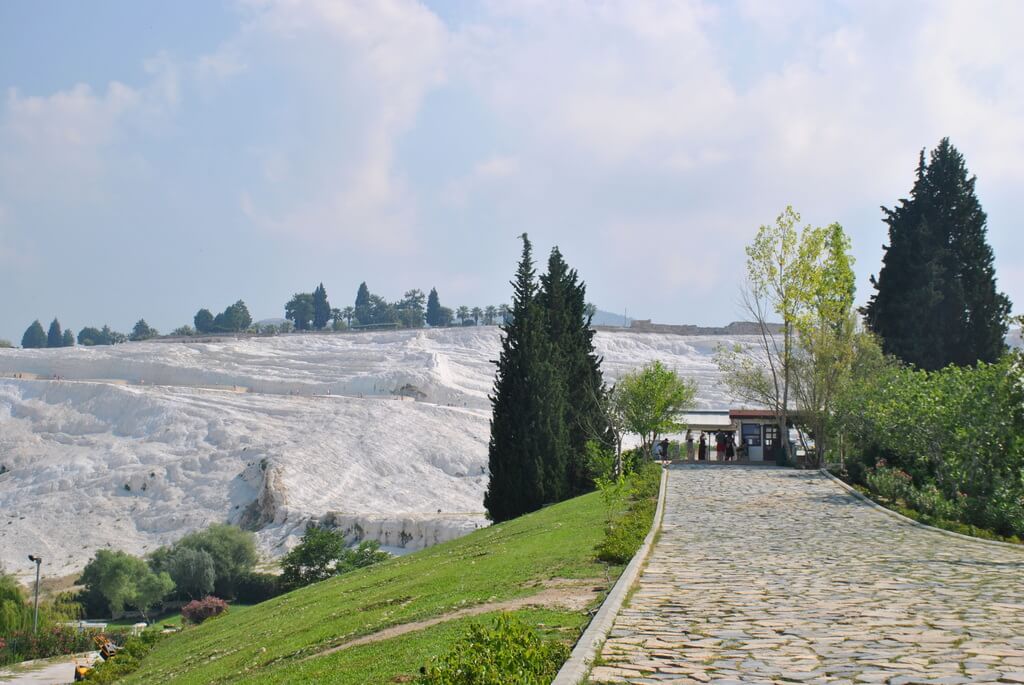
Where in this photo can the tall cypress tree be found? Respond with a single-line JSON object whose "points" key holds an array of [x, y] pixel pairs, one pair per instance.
{"points": [[363, 304], [321, 308], [54, 337], [563, 297], [434, 315], [935, 300], [528, 443]]}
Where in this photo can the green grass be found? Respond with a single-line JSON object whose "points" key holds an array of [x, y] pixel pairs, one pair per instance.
{"points": [[269, 642]]}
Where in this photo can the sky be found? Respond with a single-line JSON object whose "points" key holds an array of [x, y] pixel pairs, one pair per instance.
{"points": [[159, 157]]}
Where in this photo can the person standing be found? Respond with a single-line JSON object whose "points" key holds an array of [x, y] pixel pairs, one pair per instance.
{"points": [[702, 450], [665, 458], [689, 445], [730, 448], [720, 446]]}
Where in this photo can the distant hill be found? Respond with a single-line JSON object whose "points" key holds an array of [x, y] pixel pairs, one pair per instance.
{"points": [[603, 318]]}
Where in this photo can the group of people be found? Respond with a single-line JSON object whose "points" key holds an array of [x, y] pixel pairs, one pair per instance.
{"points": [[725, 447]]}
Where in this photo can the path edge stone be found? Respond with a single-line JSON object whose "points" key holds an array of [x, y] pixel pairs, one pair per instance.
{"points": [[895, 514], [577, 667]]}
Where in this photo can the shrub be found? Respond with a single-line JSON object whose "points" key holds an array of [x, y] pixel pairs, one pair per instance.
{"points": [[198, 610], [889, 484], [508, 653], [631, 503], [256, 587]]}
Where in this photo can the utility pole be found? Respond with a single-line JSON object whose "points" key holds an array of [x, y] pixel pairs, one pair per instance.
{"points": [[35, 621]]}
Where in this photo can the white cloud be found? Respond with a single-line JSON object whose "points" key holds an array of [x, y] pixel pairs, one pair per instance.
{"points": [[487, 173], [372, 61], [60, 144]]}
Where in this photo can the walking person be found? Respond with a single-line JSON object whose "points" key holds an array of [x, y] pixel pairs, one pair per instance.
{"points": [[689, 445], [665, 458]]}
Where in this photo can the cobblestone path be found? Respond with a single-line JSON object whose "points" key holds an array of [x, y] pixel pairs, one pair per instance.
{"points": [[766, 575]]}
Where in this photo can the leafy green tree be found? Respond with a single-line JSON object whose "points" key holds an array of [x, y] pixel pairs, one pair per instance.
{"points": [[123, 580], [34, 337], [54, 337], [111, 337], [184, 331], [563, 298], [446, 317], [299, 310], [826, 344], [15, 613], [5, 344], [380, 311], [348, 313], [192, 570], [237, 317], [433, 308], [363, 304], [935, 300], [142, 331], [489, 314], [650, 401], [68, 339], [233, 551], [89, 336], [313, 559], [321, 308], [337, 320], [528, 442], [322, 553], [410, 308], [203, 321]]}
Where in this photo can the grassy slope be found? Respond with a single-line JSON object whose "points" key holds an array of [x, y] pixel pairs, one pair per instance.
{"points": [[267, 642]]}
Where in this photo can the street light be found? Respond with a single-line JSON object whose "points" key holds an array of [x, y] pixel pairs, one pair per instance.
{"points": [[35, 621]]}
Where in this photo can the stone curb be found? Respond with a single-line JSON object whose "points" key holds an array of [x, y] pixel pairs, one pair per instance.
{"points": [[578, 666], [918, 524]]}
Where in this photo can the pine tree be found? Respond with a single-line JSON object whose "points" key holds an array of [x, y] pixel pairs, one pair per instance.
{"points": [[321, 308], [363, 314], [433, 308], [35, 336], [563, 298], [69, 339], [935, 300], [54, 337], [526, 452]]}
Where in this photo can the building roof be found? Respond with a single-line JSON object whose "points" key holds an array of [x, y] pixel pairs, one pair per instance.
{"points": [[706, 420]]}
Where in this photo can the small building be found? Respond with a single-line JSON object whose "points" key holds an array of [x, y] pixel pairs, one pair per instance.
{"points": [[755, 431]]}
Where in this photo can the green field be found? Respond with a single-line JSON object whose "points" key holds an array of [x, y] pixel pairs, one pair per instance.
{"points": [[548, 555]]}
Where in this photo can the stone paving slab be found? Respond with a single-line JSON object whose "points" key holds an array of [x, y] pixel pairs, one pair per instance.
{"points": [[768, 575]]}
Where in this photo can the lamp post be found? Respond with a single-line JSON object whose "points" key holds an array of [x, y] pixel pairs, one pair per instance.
{"points": [[35, 621]]}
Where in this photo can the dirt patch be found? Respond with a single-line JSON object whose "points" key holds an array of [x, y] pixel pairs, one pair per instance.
{"points": [[560, 593]]}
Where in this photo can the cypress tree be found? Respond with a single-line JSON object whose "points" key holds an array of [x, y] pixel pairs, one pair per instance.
{"points": [[69, 339], [363, 304], [54, 337], [434, 315], [35, 336], [528, 442], [321, 308], [563, 298], [935, 300]]}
